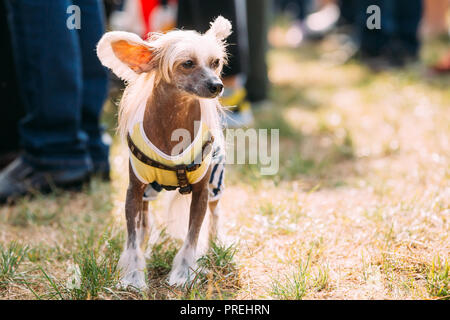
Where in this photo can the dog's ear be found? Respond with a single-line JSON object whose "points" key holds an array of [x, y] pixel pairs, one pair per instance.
{"points": [[220, 28], [126, 54]]}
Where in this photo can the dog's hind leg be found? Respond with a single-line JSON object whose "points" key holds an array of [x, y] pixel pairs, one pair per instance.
{"points": [[132, 261], [144, 226], [184, 267], [216, 186], [214, 222]]}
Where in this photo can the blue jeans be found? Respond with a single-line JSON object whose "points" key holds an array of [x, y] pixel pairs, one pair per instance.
{"points": [[399, 24], [62, 82]]}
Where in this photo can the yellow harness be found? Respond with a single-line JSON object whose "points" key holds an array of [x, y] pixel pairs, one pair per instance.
{"points": [[150, 164]]}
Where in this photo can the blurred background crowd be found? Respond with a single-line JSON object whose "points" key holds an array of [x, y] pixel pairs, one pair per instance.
{"points": [[53, 86]]}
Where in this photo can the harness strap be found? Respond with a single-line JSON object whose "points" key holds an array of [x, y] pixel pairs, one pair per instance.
{"points": [[180, 170]]}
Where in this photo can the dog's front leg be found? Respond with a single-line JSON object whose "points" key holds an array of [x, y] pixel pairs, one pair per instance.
{"points": [[132, 261], [184, 266]]}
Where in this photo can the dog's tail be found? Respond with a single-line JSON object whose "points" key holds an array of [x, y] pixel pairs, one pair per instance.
{"points": [[175, 218]]}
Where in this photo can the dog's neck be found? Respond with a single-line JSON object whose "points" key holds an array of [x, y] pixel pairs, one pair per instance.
{"points": [[169, 109]]}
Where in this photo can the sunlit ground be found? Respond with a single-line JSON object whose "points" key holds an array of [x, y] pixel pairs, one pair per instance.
{"points": [[358, 210]]}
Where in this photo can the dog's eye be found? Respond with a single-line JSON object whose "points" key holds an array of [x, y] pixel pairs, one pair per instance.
{"points": [[188, 64], [215, 63]]}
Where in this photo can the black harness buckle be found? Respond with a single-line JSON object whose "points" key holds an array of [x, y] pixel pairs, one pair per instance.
{"points": [[183, 182]]}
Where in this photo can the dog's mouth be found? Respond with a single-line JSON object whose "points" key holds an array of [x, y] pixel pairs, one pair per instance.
{"points": [[201, 93]]}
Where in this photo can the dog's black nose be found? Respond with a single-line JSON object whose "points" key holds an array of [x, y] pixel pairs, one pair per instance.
{"points": [[215, 87]]}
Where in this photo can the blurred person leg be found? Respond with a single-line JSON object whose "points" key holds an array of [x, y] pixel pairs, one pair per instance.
{"points": [[405, 46], [323, 20], [348, 9], [293, 36], [13, 109], [373, 41], [111, 6], [49, 64], [95, 83], [396, 42], [258, 17], [312, 19], [196, 15], [434, 23], [443, 64]]}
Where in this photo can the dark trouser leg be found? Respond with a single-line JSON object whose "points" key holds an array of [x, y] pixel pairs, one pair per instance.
{"points": [[374, 40], [408, 14], [348, 11], [50, 73], [95, 80], [12, 106]]}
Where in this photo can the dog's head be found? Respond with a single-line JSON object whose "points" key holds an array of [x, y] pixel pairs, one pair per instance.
{"points": [[190, 61]]}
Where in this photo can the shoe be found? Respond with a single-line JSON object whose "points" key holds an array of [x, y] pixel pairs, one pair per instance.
{"points": [[387, 60], [20, 179], [399, 55], [443, 65], [318, 24], [8, 157], [101, 170]]}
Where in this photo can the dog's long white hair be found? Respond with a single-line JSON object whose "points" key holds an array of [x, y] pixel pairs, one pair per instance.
{"points": [[167, 49]]}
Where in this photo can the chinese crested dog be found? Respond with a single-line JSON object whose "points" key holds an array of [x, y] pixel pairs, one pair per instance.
{"points": [[170, 117]]}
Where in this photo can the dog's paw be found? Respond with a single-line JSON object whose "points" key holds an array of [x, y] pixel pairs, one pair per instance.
{"points": [[133, 280], [184, 269], [131, 267], [183, 275]]}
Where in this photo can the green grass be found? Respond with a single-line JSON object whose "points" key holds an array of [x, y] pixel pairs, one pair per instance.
{"points": [[11, 256], [28, 214], [321, 280], [218, 278], [91, 277], [95, 274], [92, 269], [292, 286], [219, 258], [161, 257], [306, 278], [43, 252], [26, 217], [438, 279]]}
